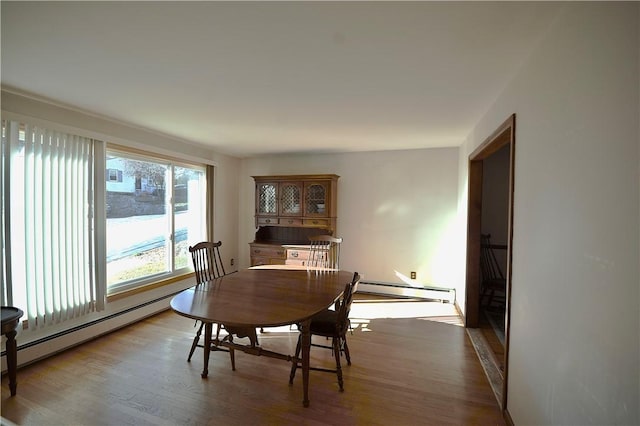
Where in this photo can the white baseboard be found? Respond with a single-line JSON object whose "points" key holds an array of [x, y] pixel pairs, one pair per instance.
{"points": [[47, 347], [389, 289]]}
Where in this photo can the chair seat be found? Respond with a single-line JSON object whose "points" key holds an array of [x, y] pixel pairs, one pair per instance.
{"points": [[324, 323]]}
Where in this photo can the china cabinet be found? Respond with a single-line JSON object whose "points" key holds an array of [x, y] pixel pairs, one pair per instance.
{"points": [[288, 210]]}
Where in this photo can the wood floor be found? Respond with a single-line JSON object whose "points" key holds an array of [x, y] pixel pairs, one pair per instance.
{"points": [[412, 364], [497, 347]]}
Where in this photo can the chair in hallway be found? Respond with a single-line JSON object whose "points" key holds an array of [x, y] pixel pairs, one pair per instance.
{"points": [[493, 285], [331, 324], [325, 252]]}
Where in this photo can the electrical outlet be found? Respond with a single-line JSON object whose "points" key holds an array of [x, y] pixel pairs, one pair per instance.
{"points": [[413, 275], [232, 261]]}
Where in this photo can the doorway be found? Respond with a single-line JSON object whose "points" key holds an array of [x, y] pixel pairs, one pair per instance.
{"points": [[490, 212]]}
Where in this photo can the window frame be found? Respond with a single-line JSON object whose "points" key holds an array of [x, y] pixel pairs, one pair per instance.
{"points": [[162, 278], [128, 143], [117, 175]]}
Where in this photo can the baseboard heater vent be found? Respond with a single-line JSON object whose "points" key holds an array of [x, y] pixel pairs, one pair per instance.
{"points": [[133, 316], [443, 294]]}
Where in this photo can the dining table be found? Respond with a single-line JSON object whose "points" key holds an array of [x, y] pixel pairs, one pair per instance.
{"points": [[261, 297]]}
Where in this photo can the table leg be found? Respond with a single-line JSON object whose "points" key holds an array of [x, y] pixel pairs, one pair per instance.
{"points": [[306, 353], [208, 329], [12, 360]]}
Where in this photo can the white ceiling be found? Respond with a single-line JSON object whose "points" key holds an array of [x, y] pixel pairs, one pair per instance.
{"points": [[270, 77]]}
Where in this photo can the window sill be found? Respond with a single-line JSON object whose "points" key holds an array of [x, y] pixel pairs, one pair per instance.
{"points": [[151, 286]]}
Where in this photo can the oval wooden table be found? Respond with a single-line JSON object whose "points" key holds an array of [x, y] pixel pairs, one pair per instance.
{"points": [[263, 297]]}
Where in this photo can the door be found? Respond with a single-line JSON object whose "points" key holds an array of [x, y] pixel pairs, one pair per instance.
{"points": [[502, 137]]}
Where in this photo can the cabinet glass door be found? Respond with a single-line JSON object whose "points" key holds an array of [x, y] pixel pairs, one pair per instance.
{"points": [[316, 200], [267, 198], [290, 198]]}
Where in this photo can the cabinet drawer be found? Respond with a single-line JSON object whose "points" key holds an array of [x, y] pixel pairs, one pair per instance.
{"points": [[295, 262], [267, 221], [259, 260], [316, 222], [266, 251], [290, 221], [296, 254]]}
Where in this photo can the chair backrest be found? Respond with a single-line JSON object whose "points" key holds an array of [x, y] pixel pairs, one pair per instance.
{"points": [[325, 251], [489, 266], [207, 262], [344, 305]]}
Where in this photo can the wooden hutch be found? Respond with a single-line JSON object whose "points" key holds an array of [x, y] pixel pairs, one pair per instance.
{"points": [[288, 210]]}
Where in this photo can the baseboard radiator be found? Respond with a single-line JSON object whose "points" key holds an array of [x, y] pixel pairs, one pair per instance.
{"points": [[44, 347], [442, 294]]}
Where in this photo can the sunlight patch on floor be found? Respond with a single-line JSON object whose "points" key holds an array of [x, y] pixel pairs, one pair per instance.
{"points": [[364, 310]]}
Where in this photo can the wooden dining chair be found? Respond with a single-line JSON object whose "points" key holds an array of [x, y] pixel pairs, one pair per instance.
{"points": [[324, 252], [331, 324], [208, 266]]}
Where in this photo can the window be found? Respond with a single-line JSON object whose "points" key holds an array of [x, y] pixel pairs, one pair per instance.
{"points": [[114, 175], [80, 221], [153, 213]]}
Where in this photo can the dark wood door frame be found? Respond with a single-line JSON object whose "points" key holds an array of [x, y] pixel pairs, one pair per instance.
{"points": [[503, 135]]}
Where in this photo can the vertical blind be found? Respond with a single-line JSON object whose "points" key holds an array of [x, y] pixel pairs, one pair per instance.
{"points": [[51, 234], [5, 294]]}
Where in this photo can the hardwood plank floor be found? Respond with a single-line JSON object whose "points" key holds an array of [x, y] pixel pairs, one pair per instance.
{"points": [[493, 340], [412, 364]]}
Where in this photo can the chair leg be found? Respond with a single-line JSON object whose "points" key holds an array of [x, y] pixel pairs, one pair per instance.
{"points": [[336, 353], [195, 342], [346, 350], [294, 363], [232, 354]]}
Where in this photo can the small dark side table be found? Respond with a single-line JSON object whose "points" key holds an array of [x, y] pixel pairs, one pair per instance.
{"points": [[10, 319]]}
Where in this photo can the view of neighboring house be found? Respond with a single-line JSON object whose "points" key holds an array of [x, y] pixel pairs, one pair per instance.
{"points": [[120, 181]]}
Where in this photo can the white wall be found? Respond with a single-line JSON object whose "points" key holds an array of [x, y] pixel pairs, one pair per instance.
{"points": [[226, 214], [225, 211], [396, 210], [574, 350]]}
